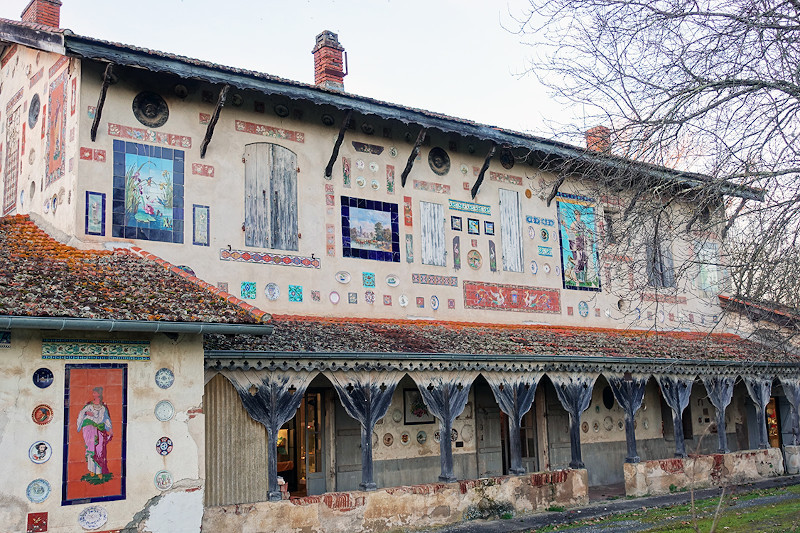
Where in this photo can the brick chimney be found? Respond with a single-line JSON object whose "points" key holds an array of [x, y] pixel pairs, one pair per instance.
{"points": [[329, 70], [598, 139], [47, 12]]}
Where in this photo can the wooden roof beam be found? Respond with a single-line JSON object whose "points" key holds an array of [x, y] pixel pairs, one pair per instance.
{"points": [[108, 77], [413, 156], [338, 143], [223, 95], [484, 168]]}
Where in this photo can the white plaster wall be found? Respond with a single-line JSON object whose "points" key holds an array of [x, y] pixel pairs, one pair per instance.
{"points": [[597, 417], [19, 396]]}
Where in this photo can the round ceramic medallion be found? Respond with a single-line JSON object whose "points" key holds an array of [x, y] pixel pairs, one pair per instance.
{"points": [[163, 480], [596, 427], [437, 436], [546, 268], [360, 164], [439, 161], [42, 414], [375, 185], [544, 234], [342, 277], [434, 302], [474, 259], [467, 432], [38, 490], [272, 291], [93, 517], [405, 438], [422, 437], [392, 280], [40, 451], [164, 410], [43, 378], [464, 169], [393, 151], [373, 166], [403, 300], [583, 309], [388, 439], [397, 415], [165, 378], [33, 111], [150, 109], [334, 297], [164, 445], [534, 267], [361, 181], [608, 423], [453, 434], [620, 425], [585, 427]]}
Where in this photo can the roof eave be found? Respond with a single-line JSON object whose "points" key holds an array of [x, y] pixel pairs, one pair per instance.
{"points": [[131, 326]]}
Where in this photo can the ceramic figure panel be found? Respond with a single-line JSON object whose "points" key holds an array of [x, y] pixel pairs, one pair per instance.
{"points": [[200, 224], [148, 192], [150, 136], [95, 218], [270, 131], [56, 129], [389, 179], [407, 214], [370, 229], [500, 297], [95, 433], [409, 248], [580, 265], [346, 172]]}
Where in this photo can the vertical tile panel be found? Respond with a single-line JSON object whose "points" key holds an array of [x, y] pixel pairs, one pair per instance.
{"points": [[432, 233], [510, 230]]}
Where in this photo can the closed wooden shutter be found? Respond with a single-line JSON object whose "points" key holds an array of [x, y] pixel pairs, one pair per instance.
{"points": [[270, 176], [511, 230], [432, 233]]}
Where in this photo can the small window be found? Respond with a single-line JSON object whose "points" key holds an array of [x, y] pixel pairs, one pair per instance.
{"points": [[660, 269], [608, 398], [708, 263]]}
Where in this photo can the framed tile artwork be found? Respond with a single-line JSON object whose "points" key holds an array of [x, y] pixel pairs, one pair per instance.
{"points": [[95, 433], [200, 223], [95, 219], [414, 409], [455, 223], [148, 192], [488, 227], [473, 226], [370, 229]]}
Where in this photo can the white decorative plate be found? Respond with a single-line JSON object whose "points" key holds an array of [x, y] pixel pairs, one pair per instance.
{"points": [[375, 184], [437, 436], [403, 300], [343, 277], [40, 452], [164, 410], [334, 297], [393, 151], [392, 280], [534, 267], [272, 291], [163, 480], [464, 169], [405, 438], [93, 517], [546, 268], [434, 302], [373, 166], [360, 181], [360, 163], [164, 378], [397, 415], [38, 490]]}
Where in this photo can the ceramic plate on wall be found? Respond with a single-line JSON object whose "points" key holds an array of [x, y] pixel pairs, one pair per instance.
{"points": [[405, 438], [38, 490], [163, 480], [43, 378], [334, 297], [403, 300], [164, 410], [42, 414], [343, 277], [392, 280], [165, 378], [375, 184], [164, 446], [434, 302], [40, 451], [360, 181], [93, 517], [272, 291], [360, 163]]}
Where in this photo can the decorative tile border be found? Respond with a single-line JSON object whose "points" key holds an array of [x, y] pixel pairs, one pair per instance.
{"points": [[73, 97], [368, 148], [57, 65], [99, 349], [521, 298], [270, 131], [5, 339], [431, 186], [246, 256], [469, 207], [330, 239], [9, 54], [14, 100], [506, 178], [93, 154], [198, 169], [36, 77], [663, 298], [538, 220], [577, 199], [142, 134], [433, 279]]}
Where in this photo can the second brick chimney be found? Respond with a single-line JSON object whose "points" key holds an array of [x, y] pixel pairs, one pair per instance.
{"points": [[329, 69], [47, 12], [598, 139]]}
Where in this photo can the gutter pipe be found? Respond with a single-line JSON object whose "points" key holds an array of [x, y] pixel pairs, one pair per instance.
{"points": [[138, 326]]}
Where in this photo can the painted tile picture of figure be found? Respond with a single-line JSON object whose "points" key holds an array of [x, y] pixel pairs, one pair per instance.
{"points": [[580, 265], [94, 433]]}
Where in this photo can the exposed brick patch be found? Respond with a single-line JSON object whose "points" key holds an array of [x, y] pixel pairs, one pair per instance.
{"points": [[671, 466]]}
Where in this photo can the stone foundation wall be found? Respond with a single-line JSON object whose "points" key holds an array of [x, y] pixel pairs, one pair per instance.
{"points": [[700, 471], [408, 507]]}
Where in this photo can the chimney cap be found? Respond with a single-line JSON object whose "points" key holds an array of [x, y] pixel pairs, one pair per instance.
{"points": [[329, 39]]}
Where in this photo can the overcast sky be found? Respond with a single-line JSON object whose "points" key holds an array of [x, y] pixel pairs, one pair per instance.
{"points": [[448, 56]]}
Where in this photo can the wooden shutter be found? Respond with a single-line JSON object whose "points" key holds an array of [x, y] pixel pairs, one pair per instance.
{"points": [[270, 215], [432, 233], [510, 230], [256, 186], [283, 198]]}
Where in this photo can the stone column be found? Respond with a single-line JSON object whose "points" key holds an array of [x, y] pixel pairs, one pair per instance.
{"points": [[628, 390], [365, 396], [676, 391], [575, 394], [720, 392], [272, 399], [514, 394], [445, 394], [760, 389]]}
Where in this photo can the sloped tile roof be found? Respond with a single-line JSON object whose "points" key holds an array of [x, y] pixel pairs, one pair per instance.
{"points": [[332, 335], [41, 277]]}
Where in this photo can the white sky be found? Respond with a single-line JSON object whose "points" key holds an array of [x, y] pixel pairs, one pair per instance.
{"points": [[447, 56]]}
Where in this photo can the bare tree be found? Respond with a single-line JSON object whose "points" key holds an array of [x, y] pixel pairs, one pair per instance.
{"points": [[709, 87]]}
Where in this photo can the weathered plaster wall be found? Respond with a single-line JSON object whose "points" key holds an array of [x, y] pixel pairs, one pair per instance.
{"points": [[26, 73], [409, 507], [667, 475], [19, 396]]}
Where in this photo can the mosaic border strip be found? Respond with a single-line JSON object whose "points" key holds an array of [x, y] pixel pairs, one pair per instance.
{"points": [[577, 199], [141, 134], [469, 207], [96, 357], [270, 131], [107, 349], [519, 298], [266, 258], [434, 279]]}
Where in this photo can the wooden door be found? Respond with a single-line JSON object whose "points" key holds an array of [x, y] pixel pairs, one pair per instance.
{"points": [[348, 450], [511, 230], [489, 443]]}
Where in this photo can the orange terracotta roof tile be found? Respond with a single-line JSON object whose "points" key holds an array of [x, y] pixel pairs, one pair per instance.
{"points": [[41, 277]]}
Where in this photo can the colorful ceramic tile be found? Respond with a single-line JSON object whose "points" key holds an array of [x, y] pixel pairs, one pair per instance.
{"points": [[346, 172], [150, 136], [488, 227], [407, 216], [248, 290], [201, 224], [545, 251], [270, 131], [37, 523], [434, 279], [129, 350], [431, 186], [329, 199], [580, 263], [570, 310], [56, 129], [455, 223], [57, 65], [148, 193], [38, 490], [315, 296], [409, 248], [389, 179], [451, 303], [330, 239], [163, 480], [499, 297], [223, 286], [474, 259], [199, 169], [370, 229], [505, 178], [420, 302], [246, 256], [368, 148], [369, 297], [457, 252], [43, 377], [473, 226], [295, 293], [352, 297], [95, 401], [387, 299], [368, 279], [492, 257], [42, 414], [470, 207], [9, 53], [95, 216], [204, 118]]}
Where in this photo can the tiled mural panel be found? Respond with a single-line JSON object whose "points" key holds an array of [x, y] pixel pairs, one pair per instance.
{"points": [[580, 262], [370, 229], [500, 297]]}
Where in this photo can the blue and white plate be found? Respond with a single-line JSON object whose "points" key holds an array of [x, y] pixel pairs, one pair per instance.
{"points": [[38, 490]]}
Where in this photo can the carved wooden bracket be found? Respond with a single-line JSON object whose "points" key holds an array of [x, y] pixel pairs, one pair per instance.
{"points": [[338, 143], [101, 100], [223, 95], [413, 156], [484, 168]]}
